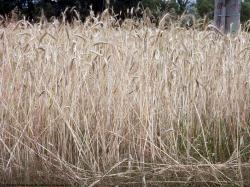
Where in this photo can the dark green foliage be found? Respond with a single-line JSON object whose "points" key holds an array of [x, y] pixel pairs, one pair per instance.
{"points": [[29, 10], [32, 9], [205, 8], [50, 9], [154, 5], [7, 6], [123, 5], [245, 11], [183, 5]]}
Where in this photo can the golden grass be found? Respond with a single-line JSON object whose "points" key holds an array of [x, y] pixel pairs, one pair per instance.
{"points": [[91, 103]]}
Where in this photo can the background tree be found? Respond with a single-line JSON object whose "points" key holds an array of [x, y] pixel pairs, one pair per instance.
{"points": [[32, 9], [172, 5], [205, 8], [245, 11], [183, 4], [121, 6], [29, 10], [7, 6], [154, 5], [50, 8]]}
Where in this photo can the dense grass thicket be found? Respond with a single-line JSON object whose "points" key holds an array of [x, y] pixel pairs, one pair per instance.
{"points": [[95, 103]]}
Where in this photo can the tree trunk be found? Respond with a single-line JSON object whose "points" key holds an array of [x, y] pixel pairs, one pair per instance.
{"points": [[227, 15]]}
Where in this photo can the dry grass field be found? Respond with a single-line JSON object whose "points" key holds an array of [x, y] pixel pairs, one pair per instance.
{"points": [[96, 104]]}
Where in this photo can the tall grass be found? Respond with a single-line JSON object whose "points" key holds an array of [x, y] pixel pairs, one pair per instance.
{"points": [[94, 103]]}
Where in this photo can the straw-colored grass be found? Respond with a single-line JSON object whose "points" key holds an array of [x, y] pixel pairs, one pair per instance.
{"points": [[96, 104]]}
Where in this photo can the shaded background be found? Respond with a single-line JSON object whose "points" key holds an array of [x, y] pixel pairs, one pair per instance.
{"points": [[32, 9]]}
